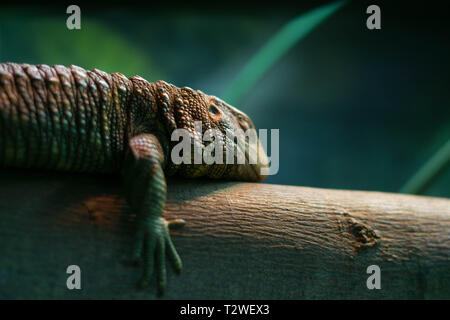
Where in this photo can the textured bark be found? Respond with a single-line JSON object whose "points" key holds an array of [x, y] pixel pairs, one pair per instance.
{"points": [[241, 240]]}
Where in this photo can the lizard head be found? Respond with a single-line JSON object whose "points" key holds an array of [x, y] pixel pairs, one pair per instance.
{"points": [[214, 125]]}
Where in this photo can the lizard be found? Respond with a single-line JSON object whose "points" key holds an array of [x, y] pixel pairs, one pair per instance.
{"points": [[71, 119]]}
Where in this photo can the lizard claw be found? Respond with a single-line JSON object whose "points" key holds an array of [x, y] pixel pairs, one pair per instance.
{"points": [[176, 224], [153, 243]]}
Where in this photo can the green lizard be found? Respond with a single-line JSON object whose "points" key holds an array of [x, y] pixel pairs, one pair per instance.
{"points": [[71, 119]]}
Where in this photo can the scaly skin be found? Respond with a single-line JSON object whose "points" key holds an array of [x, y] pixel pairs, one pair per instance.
{"points": [[70, 119]]}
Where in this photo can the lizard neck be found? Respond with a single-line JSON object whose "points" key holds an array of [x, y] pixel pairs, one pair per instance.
{"points": [[150, 111]]}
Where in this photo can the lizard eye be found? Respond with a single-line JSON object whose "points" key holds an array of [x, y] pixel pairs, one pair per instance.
{"points": [[214, 110]]}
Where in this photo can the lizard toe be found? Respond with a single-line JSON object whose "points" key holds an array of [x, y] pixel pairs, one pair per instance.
{"points": [[154, 247]]}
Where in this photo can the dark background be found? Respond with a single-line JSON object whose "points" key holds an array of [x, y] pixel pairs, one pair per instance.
{"points": [[356, 109]]}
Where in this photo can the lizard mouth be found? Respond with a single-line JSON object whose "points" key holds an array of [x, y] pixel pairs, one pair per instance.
{"points": [[250, 162], [254, 171]]}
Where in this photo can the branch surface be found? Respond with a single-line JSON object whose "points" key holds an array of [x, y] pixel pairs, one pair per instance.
{"points": [[241, 240]]}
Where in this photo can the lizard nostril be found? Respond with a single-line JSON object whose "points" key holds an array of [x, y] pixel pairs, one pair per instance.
{"points": [[244, 124]]}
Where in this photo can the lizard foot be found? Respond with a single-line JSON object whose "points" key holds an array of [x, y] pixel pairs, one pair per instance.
{"points": [[153, 244]]}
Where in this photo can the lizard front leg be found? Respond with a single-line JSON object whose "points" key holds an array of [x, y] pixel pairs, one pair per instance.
{"points": [[145, 186]]}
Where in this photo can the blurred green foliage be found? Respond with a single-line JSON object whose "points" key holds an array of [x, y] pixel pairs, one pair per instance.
{"points": [[275, 48], [430, 171], [40, 38]]}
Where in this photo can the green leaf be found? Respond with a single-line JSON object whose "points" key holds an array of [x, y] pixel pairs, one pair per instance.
{"points": [[276, 48], [429, 171]]}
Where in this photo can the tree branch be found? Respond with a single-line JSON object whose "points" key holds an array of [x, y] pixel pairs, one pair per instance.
{"points": [[241, 240]]}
